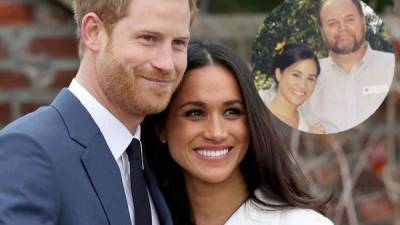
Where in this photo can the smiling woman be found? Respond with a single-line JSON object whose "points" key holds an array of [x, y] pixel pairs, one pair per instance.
{"points": [[295, 69], [216, 155]]}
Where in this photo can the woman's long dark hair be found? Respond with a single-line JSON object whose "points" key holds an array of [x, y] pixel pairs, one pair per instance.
{"points": [[268, 165]]}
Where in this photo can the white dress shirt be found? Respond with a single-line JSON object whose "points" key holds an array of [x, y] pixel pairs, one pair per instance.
{"points": [[343, 100], [117, 137]]}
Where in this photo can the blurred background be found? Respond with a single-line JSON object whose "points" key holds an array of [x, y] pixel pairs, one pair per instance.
{"points": [[38, 57]]}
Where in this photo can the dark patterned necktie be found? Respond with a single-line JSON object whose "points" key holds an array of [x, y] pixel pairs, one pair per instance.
{"points": [[138, 185]]}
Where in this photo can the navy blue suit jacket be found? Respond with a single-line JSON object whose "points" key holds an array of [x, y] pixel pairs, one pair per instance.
{"points": [[56, 168]]}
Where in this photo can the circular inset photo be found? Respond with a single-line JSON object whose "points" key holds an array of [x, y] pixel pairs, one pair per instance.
{"points": [[323, 66]]}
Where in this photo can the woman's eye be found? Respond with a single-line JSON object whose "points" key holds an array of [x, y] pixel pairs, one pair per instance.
{"points": [[233, 112], [194, 113], [311, 79], [296, 75]]}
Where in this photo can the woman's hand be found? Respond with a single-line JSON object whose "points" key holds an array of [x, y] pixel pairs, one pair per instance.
{"points": [[317, 128]]}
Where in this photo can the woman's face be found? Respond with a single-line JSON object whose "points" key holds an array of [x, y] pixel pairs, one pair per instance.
{"points": [[297, 82], [206, 127]]}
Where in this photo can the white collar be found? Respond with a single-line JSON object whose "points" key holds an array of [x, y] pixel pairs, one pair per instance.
{"points": [[364, 60], [117, 136]]}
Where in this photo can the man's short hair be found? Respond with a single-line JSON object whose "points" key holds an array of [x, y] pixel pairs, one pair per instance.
{"points": [[356, 3], [110, 12]]}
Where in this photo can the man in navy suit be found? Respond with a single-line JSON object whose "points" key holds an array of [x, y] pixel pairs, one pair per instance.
{"points": [[66, 163]]}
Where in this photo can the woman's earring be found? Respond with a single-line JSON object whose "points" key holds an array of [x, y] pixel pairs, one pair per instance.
{"points": [[163, 141]]}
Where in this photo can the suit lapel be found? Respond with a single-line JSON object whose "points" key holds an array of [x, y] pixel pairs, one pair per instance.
{"points": [[163, 212], [104, 174], [100, 165]]}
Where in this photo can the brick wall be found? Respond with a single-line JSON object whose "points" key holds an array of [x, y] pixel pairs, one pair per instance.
{"points": [[38, 54]]}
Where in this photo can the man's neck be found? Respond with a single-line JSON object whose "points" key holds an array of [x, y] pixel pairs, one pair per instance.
{"points": [[347, 61]]}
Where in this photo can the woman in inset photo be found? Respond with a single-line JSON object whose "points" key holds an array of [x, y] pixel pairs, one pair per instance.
{"points": [[295, 70]]}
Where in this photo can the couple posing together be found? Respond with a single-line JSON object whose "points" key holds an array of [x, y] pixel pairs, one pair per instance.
{"points": [[86, 160], [338, 92]]}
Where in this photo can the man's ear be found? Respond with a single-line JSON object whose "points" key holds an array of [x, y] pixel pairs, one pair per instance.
{"points": [[364, 19], [92, 31], [278, 74]]}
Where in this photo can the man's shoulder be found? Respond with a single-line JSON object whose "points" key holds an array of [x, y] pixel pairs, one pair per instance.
{"points": [[34, 120], [383, 57], [383, 61], [324, 60], [325, 64], [382, 53], [43, 124]]}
